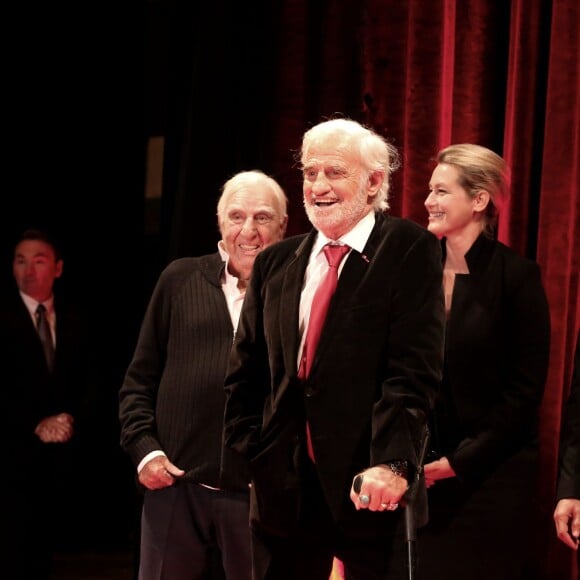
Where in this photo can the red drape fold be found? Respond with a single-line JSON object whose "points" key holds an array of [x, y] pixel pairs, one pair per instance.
{"points": [[425, 74], [559, 246]]}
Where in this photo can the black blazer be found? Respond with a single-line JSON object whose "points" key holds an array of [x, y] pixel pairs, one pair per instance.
{"points": [[496, 361], [569, 459], [374, 378], [29, 392]]}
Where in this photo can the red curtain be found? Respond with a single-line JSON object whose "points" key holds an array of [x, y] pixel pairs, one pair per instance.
{"points": [[559, 238], [424, 73], [427, 73]]}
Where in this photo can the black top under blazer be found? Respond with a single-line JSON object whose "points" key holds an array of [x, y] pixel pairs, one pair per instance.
{"points": [[372, 383]]}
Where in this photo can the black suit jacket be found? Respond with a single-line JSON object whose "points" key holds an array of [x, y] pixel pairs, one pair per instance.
{"points": [[30, 392], [496, 356], [374, 378], [569, 460], [46, 480]]}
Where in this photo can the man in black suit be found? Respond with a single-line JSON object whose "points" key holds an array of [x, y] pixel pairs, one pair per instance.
{"points": [[43, 396], [567, 512], [359, 406]]}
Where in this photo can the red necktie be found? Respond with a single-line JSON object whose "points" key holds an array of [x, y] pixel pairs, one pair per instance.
{"points": [[334, 255]]}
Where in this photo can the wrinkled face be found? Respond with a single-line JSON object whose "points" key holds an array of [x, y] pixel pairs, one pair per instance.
{"points": [[35, 268], [451, 209], [337, 192], [251, 222]]}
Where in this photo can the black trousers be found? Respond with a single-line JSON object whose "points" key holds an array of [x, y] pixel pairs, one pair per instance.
{"points": [[186, 529], [308, 552]]}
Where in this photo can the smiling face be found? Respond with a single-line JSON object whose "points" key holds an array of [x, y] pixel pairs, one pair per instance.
{"points": [[338, 192], [250, 222], [452, 210]]}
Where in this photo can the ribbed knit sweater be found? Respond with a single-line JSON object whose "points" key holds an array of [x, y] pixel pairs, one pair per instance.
{"points": [[172, 397]]}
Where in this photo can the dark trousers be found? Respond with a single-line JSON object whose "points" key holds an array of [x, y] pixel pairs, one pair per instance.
{"points": [[307, 553], [185, 529], [37, 516], [481, 531]]}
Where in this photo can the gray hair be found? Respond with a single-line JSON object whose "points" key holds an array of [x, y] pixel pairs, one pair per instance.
{"points": [[248, 179]]}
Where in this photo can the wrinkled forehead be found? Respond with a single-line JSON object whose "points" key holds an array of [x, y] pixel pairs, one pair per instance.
{"points": [[331, 149], [252, 199]]}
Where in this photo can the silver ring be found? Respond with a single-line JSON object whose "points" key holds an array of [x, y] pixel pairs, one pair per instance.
{"points": [[364, 499]]}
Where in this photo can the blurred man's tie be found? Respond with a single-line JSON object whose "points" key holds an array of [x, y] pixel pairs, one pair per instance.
{"points": [[43, 328], [334, 255]]}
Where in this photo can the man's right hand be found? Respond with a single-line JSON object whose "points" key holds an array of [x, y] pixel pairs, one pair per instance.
{"points": [[159, 473]]}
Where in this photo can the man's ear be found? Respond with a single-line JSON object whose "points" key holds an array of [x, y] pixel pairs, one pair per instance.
{"points": [[375, 181], [59, 266]]}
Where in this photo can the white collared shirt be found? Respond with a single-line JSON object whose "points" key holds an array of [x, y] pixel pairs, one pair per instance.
{"points": [[234, 296], [317, 267], [32, 305]]}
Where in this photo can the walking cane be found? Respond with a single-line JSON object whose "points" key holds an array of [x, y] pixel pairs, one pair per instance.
{"points": [[408, 502]]}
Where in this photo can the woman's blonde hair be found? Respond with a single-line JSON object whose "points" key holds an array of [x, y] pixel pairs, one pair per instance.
{"points": [[480, 169]]}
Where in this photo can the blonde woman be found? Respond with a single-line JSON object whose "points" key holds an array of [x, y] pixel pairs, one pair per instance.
{"points": [[482, 474]]}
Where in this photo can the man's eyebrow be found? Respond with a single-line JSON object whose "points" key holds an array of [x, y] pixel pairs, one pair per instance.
{"points": [[264, 209]]}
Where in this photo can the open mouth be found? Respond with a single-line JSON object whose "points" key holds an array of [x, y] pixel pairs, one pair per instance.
{"points": [[249, 248]]}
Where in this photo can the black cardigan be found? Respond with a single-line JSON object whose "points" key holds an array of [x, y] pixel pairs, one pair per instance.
{"points": [[172, 397]]}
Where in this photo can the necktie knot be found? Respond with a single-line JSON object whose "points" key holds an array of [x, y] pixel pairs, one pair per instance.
{"points": [[334, 254]]}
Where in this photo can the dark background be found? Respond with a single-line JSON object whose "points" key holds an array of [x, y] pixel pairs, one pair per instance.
{"points": [[232, 85], [73, 110]]}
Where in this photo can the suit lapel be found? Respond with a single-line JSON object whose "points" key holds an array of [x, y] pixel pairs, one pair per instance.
{"points": [[23, 320], [290, 301], [353, 273]]}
